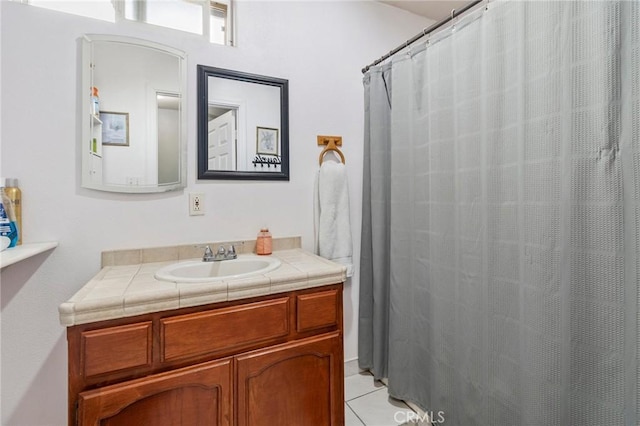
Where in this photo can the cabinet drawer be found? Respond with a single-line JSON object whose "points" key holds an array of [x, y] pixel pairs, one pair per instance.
{"points": [[317, 310], [116, 348], [225, 329]]}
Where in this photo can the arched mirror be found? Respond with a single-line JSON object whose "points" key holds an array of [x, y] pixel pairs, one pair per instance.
{"points": [[243, 125], [133, 115]]}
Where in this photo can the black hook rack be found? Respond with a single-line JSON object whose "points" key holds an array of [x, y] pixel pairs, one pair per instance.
{"points": [[270, 160]]}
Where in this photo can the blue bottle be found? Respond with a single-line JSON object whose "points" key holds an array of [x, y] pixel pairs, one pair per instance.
{"points": [[8, 227]]}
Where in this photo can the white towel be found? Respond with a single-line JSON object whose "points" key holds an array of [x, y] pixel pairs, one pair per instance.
{"points": [[331, 215]]}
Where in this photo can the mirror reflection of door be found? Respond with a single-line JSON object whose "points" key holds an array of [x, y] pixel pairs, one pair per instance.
{"points": [[168, 137], [222, 138]]}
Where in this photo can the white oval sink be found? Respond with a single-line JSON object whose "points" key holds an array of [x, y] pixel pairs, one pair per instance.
{"points": [[197, 271]]}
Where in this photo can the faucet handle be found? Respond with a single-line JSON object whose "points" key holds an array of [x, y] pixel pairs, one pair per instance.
{"points": [[208, 254], [231, 252], [221, 251]]}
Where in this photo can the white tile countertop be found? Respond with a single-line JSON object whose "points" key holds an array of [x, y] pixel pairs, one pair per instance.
{"points": [[119, 291]]}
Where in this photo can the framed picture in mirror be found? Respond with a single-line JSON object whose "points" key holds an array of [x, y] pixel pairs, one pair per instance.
{"points": [[267, 141], [115, 128]]}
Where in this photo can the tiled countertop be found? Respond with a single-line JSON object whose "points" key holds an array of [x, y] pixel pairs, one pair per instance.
{"points": [[126, 290]]}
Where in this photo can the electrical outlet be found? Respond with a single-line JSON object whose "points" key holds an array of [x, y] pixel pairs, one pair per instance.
{"points": [[196, 204]]}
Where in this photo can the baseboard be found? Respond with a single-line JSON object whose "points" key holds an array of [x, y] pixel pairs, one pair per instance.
{"points": [[351, 367]]}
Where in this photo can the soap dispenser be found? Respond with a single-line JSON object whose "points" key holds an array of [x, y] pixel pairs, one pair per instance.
{"points": [[264, 242]]}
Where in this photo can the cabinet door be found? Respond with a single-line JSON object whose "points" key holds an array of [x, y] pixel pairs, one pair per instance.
{"points": [[295, 384], [192, 396]]}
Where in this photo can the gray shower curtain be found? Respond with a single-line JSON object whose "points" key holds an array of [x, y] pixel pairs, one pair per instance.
{"points": [[373, 327], [501, 207]]}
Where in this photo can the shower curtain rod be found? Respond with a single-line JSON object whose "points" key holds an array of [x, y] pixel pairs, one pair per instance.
{"points": [[424, 32]]}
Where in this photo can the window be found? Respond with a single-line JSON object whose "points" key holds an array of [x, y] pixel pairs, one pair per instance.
{"points": [[218, 23], [98, 9], [181, 15], [211, 19]]}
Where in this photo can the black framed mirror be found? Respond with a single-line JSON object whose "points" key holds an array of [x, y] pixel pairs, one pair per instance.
{"points": [[243, 125]]}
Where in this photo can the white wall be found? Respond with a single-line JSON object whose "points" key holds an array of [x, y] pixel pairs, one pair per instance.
{"points": [[319, 47]]}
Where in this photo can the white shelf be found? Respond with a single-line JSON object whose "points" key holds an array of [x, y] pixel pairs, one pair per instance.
{"points": [[16, 254]]}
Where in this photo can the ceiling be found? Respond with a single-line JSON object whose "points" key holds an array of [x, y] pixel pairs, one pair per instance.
{"points": [[432, 9]]}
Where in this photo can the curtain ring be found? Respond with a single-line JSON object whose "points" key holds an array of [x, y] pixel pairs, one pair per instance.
{"points": [[453, 16]]}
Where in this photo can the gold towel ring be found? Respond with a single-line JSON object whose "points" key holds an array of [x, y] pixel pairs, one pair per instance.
{"points": [[329, 148], [332, 143]]}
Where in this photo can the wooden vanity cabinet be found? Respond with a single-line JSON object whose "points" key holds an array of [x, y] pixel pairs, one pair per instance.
{"points": [[273, 360]]}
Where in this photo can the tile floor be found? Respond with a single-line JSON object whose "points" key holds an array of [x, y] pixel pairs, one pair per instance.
{"points": [[368, 403]]}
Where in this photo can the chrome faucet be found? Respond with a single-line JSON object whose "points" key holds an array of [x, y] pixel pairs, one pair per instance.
{"points": [[221, 254]]}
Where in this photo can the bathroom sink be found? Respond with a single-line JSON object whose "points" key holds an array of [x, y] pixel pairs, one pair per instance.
{"points": [[197, 271]]}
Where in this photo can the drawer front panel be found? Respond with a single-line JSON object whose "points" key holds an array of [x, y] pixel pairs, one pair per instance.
{"points": [[317, 310], [224, 329], [116, 348]]}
